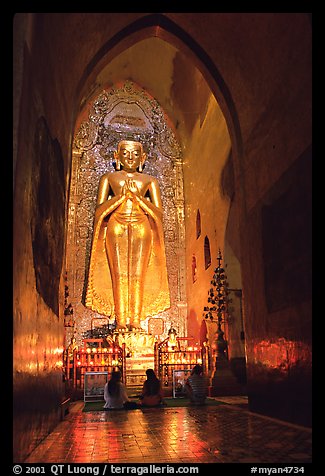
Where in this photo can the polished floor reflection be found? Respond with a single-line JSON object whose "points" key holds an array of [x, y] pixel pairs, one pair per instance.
{"points": [[227, 433]]}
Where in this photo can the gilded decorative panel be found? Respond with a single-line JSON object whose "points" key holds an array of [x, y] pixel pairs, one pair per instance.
{"points": [[125, 112]]}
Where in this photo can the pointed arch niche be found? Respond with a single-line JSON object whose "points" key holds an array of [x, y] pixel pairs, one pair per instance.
{"points": [[171, 68], [116, 113]]}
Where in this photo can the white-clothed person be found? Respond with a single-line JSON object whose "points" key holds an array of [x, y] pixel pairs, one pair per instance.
{"points": [[115, 394]]}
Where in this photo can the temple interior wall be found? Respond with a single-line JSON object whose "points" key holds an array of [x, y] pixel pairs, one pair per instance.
{"points": [[257, 208]]}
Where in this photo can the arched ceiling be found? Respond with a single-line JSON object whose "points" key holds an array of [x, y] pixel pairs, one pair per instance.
{"points": [[167, 75]]}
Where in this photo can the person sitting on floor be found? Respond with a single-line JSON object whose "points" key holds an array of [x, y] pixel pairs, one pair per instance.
{"points": [[151, 395], [196, 386], [115, 395]]}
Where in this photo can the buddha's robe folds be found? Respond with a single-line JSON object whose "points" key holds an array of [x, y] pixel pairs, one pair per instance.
{"points": [[127, 271]]}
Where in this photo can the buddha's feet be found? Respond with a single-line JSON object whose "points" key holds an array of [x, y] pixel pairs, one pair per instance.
{"points": [[122, 329]]}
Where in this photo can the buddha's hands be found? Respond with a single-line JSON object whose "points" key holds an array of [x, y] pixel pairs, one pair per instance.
{"points": [[130, 189]]}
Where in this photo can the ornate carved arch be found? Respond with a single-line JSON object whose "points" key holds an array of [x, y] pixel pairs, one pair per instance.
{"points": [[125, 112]]}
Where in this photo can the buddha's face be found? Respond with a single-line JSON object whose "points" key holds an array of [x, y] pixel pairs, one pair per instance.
{"points": [[130, 154]]}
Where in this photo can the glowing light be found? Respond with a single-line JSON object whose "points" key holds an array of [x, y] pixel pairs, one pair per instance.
{"points": [[58, 350], [281, 353]]}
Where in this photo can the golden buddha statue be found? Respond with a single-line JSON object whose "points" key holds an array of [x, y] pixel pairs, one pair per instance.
{"points": [[127, 271]]}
